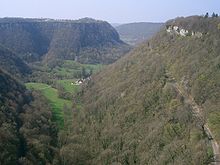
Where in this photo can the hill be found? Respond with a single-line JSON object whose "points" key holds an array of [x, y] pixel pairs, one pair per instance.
{"points": [[26, 129], [134, 113], [85, 40], [115, 24], [135, 33], [11, 63]]}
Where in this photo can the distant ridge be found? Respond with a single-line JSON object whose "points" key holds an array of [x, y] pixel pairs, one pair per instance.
{"points": [[87, 40], [135, 33], [20, 19]]}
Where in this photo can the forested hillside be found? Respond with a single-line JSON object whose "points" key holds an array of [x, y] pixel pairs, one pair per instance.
{"points": [[11, 63], [135, 33], [27, 135], [138, 110], [132, 112], [85, 40]]}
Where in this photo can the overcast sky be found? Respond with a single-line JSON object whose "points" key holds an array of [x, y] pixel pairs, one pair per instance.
{"points": [[114, 11]]}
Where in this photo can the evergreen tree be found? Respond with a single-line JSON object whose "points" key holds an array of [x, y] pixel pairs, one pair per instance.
{"points": [[213, 15]]}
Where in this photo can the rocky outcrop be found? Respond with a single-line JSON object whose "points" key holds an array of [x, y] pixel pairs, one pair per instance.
{"points": [[182, 32], [193, 26]]}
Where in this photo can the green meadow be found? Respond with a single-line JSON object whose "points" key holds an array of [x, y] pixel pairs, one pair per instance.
{"points": [[69, 85], [57, 103], [63, 73], [70, 69]]}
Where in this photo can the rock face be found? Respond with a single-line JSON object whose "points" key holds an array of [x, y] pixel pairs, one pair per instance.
{"points": [[87, 40], [186, 28], [177, 30]]}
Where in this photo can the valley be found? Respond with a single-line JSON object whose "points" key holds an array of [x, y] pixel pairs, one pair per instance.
{"points": [[73, 93], [58, 84]]}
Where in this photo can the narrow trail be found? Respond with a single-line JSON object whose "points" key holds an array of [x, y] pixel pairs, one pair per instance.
{"points": [[198, 112]]}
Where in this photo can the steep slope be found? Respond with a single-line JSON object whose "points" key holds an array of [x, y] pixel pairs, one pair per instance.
{"points": [[135, 33], [11, 99], [133, 113], [25, 126], [85, 40], [11, 63]]}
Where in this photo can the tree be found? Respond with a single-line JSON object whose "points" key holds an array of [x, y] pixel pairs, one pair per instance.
{"points": [[84, 72], [90, 72], [207, 15], [214, 15]]}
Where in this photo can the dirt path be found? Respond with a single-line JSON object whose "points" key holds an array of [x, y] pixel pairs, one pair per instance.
{"points": [[198, 112]]}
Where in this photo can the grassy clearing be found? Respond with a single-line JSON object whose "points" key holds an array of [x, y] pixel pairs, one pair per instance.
{"points": [[71, 69], [64, 69], [57, 103], [68, 86]]}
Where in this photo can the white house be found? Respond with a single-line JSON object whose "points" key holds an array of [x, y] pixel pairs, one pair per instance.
{"points": [[79, 82]]}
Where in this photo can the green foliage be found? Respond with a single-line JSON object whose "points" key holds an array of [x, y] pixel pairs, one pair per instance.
{"points": [[11, 63], [62, 69], [39, 132], [69, 85], [52, 96], [132, 113], [27, 135]]}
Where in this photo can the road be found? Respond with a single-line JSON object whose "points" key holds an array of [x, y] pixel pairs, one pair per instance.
{"points": [[198, 112]]}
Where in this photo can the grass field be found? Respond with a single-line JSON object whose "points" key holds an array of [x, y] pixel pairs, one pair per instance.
{"points": [[63, 70], [57, 103], [67, 85], [71, 69], [64, 73]]}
